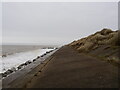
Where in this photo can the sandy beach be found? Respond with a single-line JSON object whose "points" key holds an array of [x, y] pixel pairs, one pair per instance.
{"points": [[67, 68]]}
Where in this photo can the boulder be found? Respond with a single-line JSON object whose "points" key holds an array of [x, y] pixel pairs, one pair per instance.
{"points": [[4, 74], [20, 66], [9, 71], [47, 52], [42, 55], [38, 57], [4, 55], [28, 62], [13, 69], [34, 60]]}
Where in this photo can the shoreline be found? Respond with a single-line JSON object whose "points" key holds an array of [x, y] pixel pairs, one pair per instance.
{"points": [[25, 72], [66, 68], [22, 58], [38, 59], [70, 69]]}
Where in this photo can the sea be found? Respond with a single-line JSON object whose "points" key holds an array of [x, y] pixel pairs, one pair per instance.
{"points": [[14, 55]]}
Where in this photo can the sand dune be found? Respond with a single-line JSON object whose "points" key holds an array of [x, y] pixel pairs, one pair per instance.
{"points": [[106, 42]]}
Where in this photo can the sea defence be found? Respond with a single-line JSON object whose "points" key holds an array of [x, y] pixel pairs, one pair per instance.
{"points": [[20, 77], [70, 69], [67, 68]]}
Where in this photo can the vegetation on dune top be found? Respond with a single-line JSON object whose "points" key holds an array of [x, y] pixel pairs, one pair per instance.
{"points": [[103, 38]]}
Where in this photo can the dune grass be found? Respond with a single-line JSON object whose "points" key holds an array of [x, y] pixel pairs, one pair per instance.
{"points": [[105, 37]]}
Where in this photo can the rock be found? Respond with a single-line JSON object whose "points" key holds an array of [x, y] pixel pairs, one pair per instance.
{"points": [[42, 55], [51, 50], [20, 66], [55, 48], [4, 74], [9, 71], [28, 62], [38, 57], [13, 69], [34, 60], [4, 55], [47, 52]]}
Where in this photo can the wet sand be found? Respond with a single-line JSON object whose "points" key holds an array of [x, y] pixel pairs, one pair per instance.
{"points": [[67, 68]]}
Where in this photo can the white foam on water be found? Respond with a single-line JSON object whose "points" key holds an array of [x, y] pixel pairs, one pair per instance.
{"points": [[16, 59]]}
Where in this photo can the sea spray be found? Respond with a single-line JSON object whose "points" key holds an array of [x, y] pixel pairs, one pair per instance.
{"points": [[19, 58]]}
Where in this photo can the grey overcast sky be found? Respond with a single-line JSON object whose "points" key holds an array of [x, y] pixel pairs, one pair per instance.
{"points": [[55, 23]]}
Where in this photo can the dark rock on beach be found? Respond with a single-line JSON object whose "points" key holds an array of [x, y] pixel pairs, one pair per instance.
{"points": [[20, 66], [34, 60], [13, 69], [38, 57], [4, 74], [47, 52], [9, 71], [4, 55], [42, 55], [28, 62]]}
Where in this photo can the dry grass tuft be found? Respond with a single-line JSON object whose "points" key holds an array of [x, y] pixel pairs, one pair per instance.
{"points": [[103, 37]]}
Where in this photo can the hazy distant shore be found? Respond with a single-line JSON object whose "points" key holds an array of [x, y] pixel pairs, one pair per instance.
{"points": [[11, 49]]}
